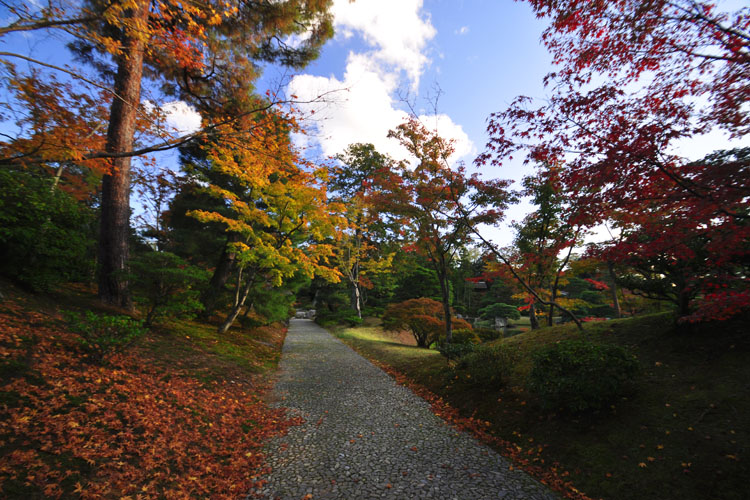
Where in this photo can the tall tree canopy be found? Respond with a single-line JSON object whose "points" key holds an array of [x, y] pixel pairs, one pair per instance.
{"points": [[440, 202], [361, 252], [204, 52], [635, 80]]}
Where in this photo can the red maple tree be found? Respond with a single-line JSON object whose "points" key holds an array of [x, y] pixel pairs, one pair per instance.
{"points": [[633, 79]]}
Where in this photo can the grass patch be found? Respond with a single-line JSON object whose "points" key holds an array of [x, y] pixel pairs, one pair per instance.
{"points": [[206, 354], [684, 434]]}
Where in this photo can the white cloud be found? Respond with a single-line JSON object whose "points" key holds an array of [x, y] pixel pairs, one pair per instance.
{"points": [[361, 107], [396, 29], [181, 117], [358, 109]]}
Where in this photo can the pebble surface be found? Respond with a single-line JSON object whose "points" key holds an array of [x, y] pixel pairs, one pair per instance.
{"points": [[365, 437]]}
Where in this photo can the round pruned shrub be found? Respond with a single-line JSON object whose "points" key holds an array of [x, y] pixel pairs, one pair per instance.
{"points": [[487, 334], [344, 316], [488, 366], [500, 310], [461, 336], [453, 352], [577, 375]]}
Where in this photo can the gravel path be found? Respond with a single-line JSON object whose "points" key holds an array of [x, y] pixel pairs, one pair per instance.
{"points": [[366, 437]]}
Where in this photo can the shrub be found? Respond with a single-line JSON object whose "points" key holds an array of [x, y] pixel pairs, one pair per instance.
{"points": [[165, 284], [101, 336], [453, 352], [461, 335], [592, 297], [374, 311], [488, 366], [46, 236], [500, 310], [343, 316], [603, 311], [487, 334], [577, 375]]}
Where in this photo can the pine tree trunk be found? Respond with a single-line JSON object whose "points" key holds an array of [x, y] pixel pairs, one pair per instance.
{"points": [[223, 270], [115, 205]]}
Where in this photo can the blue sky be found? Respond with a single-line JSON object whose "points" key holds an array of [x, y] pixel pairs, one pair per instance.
{"points": [[480, 54]]}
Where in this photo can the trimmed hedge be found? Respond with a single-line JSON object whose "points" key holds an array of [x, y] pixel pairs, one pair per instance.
{"points": [[488, 366], [578, 376]]}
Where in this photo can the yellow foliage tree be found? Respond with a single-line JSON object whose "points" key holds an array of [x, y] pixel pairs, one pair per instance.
{"points": [[278, 208]]}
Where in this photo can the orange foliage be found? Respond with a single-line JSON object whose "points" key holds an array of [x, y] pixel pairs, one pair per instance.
{"points": [[424, 317], [123, 429]]}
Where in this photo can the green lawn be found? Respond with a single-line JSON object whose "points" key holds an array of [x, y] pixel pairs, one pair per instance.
{"points": [[684, 434]]}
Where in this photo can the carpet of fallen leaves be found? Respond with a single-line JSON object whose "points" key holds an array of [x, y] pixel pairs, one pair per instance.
{"points": [[125, 429], [529, 459]]}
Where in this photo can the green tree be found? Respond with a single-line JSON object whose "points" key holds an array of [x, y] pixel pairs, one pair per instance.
{"points": [[46, 235], [440, 202], [166, 285], [205, 52], [359, 254]]}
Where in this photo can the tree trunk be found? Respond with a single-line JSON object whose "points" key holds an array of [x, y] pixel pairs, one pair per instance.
{"points": [[532, 316], [223, 270], [613, 288], [238, 304], [355, 296], [683, 303], [445, 289], [551, 314], [248, 308], [115, 205], [356, 299]]}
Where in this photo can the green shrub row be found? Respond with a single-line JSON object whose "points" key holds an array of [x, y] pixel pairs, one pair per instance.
{"points": [[572, 376], [488, 366], [578, 376], [344, 316]]}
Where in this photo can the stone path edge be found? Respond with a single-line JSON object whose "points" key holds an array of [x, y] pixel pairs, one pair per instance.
{"points": [[452, 417]]}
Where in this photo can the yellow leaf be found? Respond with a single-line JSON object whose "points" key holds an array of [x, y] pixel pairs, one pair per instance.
{"points": [[642, 465]]}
